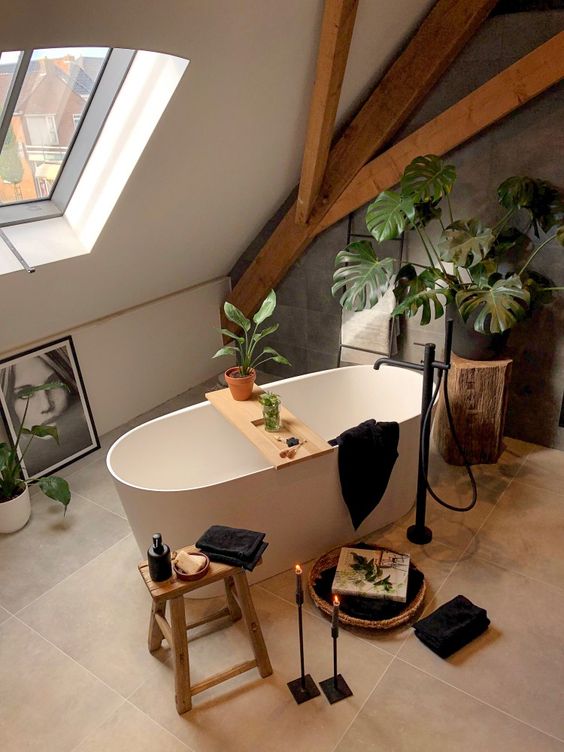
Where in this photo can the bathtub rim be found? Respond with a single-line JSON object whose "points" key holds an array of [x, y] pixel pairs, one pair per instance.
{"points": [[205, 403]]}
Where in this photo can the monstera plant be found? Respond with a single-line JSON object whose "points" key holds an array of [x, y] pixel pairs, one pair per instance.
{"points": [[482, 270]]}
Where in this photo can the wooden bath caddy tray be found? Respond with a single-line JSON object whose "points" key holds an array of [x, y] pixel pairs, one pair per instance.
{"points": [[247, 417]]}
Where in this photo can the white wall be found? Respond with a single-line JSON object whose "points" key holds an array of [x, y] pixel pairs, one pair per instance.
{"points": [[223, 157], [135, 360]]}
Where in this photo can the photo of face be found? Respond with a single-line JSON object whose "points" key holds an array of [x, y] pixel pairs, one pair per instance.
{"points": [[64, 407], [43, 407]]}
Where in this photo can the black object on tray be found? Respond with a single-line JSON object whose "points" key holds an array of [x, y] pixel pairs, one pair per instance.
{"points": [[359, 611], [452, 626]]}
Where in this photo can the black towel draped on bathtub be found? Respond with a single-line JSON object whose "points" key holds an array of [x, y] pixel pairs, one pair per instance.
{"points": [[367, 454]]}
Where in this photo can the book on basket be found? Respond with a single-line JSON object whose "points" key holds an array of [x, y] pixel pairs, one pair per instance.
{"points": [[373, 574]]}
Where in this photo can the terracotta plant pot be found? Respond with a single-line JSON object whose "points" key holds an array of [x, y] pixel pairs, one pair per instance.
{"points": [[15, 513], [241, 387]]}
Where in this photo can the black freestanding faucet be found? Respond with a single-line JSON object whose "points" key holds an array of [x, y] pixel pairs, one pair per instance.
{"points": [[419, 533]]}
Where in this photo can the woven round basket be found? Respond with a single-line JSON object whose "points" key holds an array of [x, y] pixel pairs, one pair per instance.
{"points": [[329, 561]]}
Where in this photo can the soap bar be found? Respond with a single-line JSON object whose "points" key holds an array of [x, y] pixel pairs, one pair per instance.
{"points": [[189, 563]]}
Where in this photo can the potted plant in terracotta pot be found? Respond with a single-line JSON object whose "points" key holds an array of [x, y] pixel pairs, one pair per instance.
{"points": [[15, 504], [241, 377], [481, 274]]}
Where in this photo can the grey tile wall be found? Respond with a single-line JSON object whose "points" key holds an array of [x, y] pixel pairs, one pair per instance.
{"points": [[530, 141]]}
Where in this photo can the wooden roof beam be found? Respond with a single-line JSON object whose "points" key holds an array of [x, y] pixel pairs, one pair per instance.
{"points": [[440, 37], [334, 44], [509, 90]]}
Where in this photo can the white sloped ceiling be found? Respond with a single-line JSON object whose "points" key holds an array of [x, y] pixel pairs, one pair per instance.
{"points": [[224, 156]]}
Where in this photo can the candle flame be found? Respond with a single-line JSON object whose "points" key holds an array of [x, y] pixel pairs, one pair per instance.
{"points": [[336, 601], [298, 569]]}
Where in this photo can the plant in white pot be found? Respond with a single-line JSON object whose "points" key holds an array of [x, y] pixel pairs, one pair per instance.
{"points": [[241, 377], [482, 273], [15, 504]]}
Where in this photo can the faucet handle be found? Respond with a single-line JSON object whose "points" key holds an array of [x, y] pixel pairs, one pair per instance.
{"points": [[448, 340]]}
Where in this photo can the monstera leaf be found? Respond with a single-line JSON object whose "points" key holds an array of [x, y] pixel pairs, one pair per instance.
{"points": [[427, 178], [512, 245], [481, 273], [516, 192], [361, 278], [465, 242], [388, 215], [425, 212], [540, 288], [415, 291], [543, 201], [499, 306]]}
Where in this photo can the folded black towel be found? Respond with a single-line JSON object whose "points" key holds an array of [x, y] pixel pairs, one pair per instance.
{"points": [[367, 454], [233, 542], [451, 626], [236, 562]]}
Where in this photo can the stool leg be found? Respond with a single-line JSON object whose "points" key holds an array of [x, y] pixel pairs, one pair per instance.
{"points": [[232, 604], [155, 633], [253, 625], [179, 647]]}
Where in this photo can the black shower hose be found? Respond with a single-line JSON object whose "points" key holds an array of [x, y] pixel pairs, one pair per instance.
{"points": [[425, 455]]}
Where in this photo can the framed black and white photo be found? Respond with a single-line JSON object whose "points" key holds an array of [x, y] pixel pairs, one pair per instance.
{"points": [[66, 407]]}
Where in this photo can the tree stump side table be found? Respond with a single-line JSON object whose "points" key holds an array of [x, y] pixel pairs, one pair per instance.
{"points": [[239, 603], [478, 393]]}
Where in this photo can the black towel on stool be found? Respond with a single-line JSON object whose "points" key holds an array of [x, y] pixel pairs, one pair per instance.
{"points": [[232, 545], [235, 562], [451, 626], [367, 454], [230, 541]]}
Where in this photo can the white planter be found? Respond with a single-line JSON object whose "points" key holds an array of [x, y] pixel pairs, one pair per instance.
{"points": [[15, 513]]}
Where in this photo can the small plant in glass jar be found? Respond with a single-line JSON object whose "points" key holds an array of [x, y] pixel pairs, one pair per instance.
{"points": [[270, 410]]}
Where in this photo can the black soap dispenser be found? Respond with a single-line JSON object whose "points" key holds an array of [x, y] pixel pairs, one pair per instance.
{"points": [[158, 557]]}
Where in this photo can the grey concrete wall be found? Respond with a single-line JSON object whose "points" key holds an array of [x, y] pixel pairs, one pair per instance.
{"points": [[530, 141]]}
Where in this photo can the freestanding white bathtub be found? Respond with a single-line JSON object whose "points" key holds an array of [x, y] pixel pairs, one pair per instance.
{"points": [[185, 471]]}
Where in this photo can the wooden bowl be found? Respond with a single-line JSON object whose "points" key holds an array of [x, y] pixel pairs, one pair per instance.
{"points": [[193, 577]]}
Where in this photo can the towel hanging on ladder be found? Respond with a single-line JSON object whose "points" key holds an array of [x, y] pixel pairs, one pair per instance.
{"points": [[373, 330]]}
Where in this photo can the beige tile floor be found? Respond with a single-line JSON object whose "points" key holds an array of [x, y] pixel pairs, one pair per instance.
{"points": [[75, 673]]}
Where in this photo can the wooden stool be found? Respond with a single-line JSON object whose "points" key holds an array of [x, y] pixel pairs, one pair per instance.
{"points": [[174, 631], [478, 392]]}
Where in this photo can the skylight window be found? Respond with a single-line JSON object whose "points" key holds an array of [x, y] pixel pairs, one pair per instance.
{"points": [[108, 136], [53, 105]]}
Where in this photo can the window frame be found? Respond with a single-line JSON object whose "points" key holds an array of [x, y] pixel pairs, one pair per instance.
{"points": [[84, 139]]}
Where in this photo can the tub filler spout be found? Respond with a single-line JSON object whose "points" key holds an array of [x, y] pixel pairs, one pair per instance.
{"points": [[419, 533]]}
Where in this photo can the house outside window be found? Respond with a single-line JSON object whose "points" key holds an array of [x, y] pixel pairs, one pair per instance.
{"points": [[47, 98], [76, 153]]}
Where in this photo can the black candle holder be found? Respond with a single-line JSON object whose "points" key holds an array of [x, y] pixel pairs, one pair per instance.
{"points": [[335, 688], [303, 688]]}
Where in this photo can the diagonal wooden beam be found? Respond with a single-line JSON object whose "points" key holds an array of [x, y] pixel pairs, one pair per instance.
{"points": [[434, 46], [509, 90], [335, 41], [439, 39]]}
